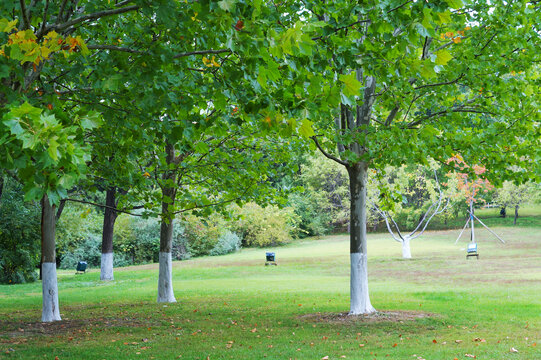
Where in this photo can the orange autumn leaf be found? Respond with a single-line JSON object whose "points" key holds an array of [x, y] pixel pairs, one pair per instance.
{"points": [[457, 40]]}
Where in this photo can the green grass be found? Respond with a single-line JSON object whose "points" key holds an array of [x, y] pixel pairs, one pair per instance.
{"points": [[233, 307], [529, 216]]}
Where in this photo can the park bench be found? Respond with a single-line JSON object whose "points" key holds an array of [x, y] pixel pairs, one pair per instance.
{"points": [[472, 251]]}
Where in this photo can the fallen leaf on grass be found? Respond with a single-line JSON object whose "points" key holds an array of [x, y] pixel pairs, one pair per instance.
{"points": [[458, 341], [435, 341], [325, 358], [470, 355], [361, 345], [513, 350]]}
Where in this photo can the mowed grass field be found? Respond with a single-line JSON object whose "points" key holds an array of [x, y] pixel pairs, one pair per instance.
{"points": [[437, 305]]}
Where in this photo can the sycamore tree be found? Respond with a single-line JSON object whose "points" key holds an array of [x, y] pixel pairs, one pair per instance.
{"points": [[43, 52], [392, 82]]}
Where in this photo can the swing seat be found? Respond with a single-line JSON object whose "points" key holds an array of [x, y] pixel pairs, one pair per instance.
{"points": [[472, 251]]}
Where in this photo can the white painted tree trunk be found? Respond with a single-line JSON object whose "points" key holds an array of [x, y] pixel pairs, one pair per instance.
{"points": [[106, 273], [406, 251], [50, 311], [360, 299], [165, 279]]}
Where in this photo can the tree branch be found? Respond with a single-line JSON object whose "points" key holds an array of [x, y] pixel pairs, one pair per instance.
{"points": [[102, 206], [326, 154], [24, 13], [114, 48], [201, 52], [439, 84], [93, 16]]}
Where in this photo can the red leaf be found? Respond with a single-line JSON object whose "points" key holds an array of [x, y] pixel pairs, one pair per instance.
{"points": [[239, 25]]}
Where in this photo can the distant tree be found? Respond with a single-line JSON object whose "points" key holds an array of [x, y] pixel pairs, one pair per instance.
{"points": [[512, 195]]}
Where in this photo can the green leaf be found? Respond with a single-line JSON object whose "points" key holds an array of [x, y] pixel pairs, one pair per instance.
{"points": [[444, 17], [455, 4], [33, 194], [53, 149], [443, 57], [227, 5], [306, 129], [25, 109], [529, 90], [352, 85], [427, 71]]}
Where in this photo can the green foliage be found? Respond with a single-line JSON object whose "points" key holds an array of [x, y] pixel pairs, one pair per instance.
{"points": [[88, 249], [77, 226], [137, 239], [19, 234], [323, 205], [269, 226], [202, 235], [228, 242]]}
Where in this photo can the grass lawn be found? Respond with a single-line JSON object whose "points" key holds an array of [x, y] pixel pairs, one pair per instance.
{"points": [[436, 306]]}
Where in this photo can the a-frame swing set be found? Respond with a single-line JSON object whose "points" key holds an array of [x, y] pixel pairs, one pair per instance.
{"points": [[472, 246]]}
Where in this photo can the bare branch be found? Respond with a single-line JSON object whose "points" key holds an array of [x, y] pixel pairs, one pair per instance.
{"points": [[392, 115], [201, 52], [93, 16], [114, 48], [103, 206], [440, 84], [24, 14], [341, 28], [326, 154]]}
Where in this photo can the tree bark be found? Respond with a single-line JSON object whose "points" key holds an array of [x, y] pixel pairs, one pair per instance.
{"points": [[1, 185], [50, 310], [516, 215], [165, 277], [406, 251], [360, 299], [109, 219]]}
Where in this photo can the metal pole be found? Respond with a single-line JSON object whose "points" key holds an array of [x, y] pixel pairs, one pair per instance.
{"points": [[464, 228], [492, 232], [471, 218]]}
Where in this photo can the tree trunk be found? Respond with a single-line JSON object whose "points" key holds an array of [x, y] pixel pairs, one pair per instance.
{"points": [[165, 277], [360, 300], [107, 235], [1, 185], [406, 251], [516, 215], [50, 310]]}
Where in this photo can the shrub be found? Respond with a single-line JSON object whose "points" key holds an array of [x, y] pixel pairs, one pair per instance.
{"points": [[76, 225], [138, 239], [202, 234], [227, 243], [19, 235], [89, 250], [261, 227]]}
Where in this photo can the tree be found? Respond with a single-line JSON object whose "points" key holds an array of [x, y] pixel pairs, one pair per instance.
{"points": [[436, 207], [393, 82], [514, 195], [43, 139]]}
